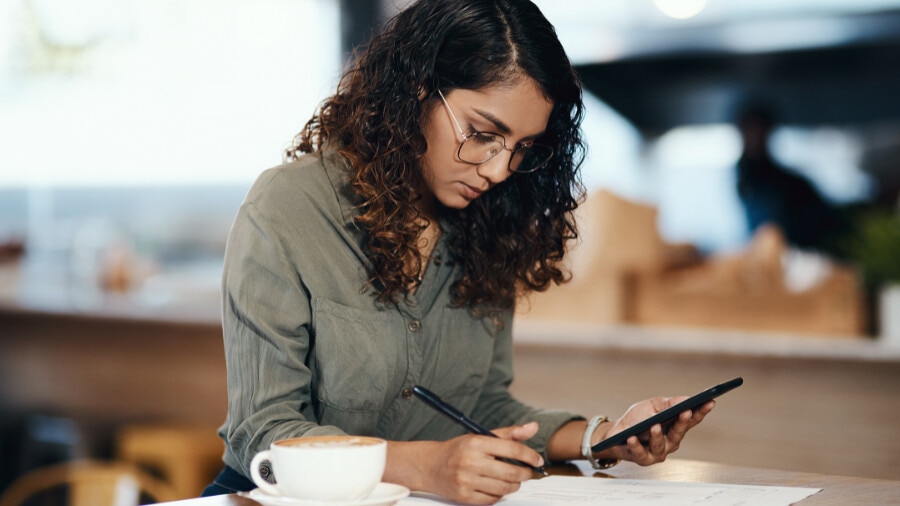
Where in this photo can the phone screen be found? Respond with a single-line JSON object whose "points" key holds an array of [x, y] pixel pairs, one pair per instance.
{"points": [[667, 416]]}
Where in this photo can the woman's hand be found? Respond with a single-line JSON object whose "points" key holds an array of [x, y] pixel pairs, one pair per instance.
{"points": [[466, 468], [660, 444]]}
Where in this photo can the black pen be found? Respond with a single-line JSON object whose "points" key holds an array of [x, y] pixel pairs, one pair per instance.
{"points": [[457, 416]]}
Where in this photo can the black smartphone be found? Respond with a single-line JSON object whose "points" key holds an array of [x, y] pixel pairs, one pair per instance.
{"points": [[667, 416]]}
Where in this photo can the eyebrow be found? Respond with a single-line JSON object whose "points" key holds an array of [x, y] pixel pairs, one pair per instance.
{"points": [[501, 126]]}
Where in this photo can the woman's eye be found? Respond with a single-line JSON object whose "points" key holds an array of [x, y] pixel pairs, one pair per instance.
{"points": [[484, 138]]}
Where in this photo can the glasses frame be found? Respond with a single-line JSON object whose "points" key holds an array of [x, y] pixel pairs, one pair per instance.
{"points": [[512, 150]]}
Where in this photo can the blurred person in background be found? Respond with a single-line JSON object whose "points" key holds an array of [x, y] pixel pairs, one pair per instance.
{"points": [[774, 195]]}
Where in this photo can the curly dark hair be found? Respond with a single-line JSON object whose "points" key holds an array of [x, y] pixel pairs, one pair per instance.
{"points": [[510, 240]]}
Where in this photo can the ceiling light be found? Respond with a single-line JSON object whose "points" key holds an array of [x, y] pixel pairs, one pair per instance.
{"points": [[680, 9]]}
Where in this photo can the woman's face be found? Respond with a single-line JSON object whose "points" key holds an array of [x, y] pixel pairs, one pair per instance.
{"points": [[519, 112]]}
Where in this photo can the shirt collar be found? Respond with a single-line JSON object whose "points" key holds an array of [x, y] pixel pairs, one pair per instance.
{"points": [[338, 170]]}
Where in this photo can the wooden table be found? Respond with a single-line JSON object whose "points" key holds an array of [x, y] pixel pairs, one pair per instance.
{"points": [[836, 490]]}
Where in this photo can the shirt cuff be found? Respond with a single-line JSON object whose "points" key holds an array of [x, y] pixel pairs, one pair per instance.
{"points": [[548, 423]]}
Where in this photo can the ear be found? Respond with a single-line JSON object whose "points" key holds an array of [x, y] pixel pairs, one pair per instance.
{"points": [[423, 94]]}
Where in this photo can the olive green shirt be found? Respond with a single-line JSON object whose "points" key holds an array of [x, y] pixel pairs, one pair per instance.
{"points": [[308, 350]]}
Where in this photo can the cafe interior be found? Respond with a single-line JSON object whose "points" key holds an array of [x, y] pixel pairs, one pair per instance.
{"points": [[130, 131]]}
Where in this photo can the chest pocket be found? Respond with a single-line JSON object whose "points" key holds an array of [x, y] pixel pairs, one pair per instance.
{"points": [[358, 358], [465, 356]]}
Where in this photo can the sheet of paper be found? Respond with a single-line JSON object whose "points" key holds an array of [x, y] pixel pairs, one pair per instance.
{"points": [[567, 490]]}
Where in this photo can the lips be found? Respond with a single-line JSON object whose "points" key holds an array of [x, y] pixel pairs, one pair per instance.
{"points": [[471, 192]]}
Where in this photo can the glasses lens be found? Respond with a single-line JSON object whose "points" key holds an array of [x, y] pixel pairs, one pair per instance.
{"points": [[480, 147], [530, 158]]}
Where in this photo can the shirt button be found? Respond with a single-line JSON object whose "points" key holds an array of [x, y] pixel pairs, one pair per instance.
{"points": [[407, 393], [438, 259], [414, 326]]}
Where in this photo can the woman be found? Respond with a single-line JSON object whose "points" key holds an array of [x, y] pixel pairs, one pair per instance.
{"points": [[429, 193]]}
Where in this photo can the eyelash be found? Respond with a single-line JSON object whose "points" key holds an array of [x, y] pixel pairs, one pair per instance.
{"points": [[473, 131]]}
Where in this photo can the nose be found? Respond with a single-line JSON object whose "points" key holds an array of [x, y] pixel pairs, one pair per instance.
{"points": [[496, 170]]}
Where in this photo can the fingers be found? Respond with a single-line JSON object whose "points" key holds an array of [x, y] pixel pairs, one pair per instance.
{"points": [[485, 484], [678, 429], [502, 479], [655, 450], [688, 420], [657, 444], [705, 409], [511, 450], [484, 491], [518, 432], [478, 476]]}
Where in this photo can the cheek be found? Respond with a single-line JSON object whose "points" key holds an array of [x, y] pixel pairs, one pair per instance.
{"points": [[439, 162], [441, 141]]}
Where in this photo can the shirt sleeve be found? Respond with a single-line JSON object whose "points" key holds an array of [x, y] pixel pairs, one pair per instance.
{"points": [[498, 408], [266, 322]]}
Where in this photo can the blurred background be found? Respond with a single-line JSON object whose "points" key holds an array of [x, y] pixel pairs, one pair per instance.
{"points": [[742, 186], [132, 129]]}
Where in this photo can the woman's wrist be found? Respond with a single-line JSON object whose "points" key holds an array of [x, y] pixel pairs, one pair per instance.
{"points": [[591, 438], [406, 463]]}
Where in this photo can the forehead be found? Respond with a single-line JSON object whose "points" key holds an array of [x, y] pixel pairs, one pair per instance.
{"points": [[521, 106]]}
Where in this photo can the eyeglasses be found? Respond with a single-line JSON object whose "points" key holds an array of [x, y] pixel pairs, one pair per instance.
{"points": [[479, 147]]}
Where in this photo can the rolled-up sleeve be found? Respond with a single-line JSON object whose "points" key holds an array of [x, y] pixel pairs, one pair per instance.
{"points": [[498, 408]]}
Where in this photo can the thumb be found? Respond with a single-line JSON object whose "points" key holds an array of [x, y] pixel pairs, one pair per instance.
{"points": [[518, 432]]}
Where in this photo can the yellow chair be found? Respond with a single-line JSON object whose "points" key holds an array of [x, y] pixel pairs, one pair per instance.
{"points": [[89, 483], [187, 457]]}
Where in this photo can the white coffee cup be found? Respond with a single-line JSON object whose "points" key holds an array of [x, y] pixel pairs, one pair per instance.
{"points": [[323, 468]]}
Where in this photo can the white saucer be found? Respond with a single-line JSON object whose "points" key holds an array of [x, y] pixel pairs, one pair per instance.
{"points": [[384, 494]]}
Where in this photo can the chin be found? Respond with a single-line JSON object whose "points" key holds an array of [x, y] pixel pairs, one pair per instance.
{"points": [[457, 203], [454, 201]]}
